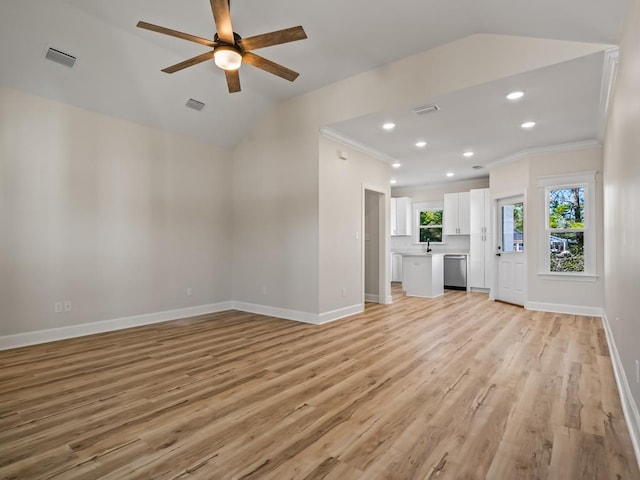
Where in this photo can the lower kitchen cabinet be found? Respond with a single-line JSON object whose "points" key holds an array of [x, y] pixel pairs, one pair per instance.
{"points": [[396, 267]]}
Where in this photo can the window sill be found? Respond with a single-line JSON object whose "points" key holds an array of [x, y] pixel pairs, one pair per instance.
{"points": [[568, 277]]}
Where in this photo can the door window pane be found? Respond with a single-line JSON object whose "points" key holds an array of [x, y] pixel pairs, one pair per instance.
{"points": [[513, 227]]}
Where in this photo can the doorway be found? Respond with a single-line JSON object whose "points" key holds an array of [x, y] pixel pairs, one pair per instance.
{"points": [[511, 254], [374, 247]]}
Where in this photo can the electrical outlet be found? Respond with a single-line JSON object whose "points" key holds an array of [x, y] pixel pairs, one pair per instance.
{"points": [[189, 291], [264, 290], [67, 305], [57, 307], [344, 292], [637, 371]]}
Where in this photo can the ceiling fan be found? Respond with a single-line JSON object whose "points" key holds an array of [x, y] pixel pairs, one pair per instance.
{"points": [[230, 50]]}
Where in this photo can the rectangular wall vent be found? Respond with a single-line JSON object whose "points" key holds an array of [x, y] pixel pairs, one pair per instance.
{"points": [[60, 57], [426, 109], [195, 104]]}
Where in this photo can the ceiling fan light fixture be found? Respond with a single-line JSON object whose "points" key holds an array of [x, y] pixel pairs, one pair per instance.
{"points": [[227, 58]]}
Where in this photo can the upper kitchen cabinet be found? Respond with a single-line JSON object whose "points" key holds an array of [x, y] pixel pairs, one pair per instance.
{"points": [[401, 216], [456, 214]]}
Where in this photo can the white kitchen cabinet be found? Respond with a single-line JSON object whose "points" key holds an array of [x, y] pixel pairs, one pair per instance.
{"points": [[456, 213], [480, 247], [401, 216], [423, 275]]}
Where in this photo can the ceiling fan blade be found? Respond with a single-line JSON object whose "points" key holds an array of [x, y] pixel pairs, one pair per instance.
{"points": [[175, 33], [233, 80], [222, 17], [189, 63], [269, 66], [274, 38]]}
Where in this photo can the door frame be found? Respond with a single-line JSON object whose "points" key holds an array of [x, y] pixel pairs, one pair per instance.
{"points": [[496, 218], [384, 259]]}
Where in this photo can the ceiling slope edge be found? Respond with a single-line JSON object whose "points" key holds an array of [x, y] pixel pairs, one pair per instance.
{"points": [[463, 63], [609, 74]]}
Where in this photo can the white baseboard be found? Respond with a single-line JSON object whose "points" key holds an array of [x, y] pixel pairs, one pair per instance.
{"points": [[285, 313], [298, 316], [371, 297], [340, 313], [560, 308], [388, 300], [72, 331], [629, 406]]}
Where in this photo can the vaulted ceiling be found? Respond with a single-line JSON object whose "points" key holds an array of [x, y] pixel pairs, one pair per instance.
{"points": [[118, 71]]}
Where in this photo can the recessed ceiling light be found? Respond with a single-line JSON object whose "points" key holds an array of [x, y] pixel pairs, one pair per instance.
{"points": [[421, 144], [396, 165], [528, 124], [389, 126], [517, 95], [393, 182], [468, 154], [450, 174]]}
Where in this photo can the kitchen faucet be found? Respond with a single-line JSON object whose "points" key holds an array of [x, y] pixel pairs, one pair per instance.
{"points": [[428, 247]]}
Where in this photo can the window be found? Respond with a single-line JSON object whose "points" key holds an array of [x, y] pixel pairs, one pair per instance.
{"points": [[566, 228], [428, 222], [512, 214], [568, 246]]}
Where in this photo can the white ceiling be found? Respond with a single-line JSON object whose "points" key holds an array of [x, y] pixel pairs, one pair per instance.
{"points": [[118, 68], [563, 100]]}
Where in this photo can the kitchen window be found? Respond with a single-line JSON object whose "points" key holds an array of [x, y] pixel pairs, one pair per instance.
{"points": [[568, 246], [428, 222]]}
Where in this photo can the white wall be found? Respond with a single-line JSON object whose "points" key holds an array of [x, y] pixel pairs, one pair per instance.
{"points": [[341, 221], [521, 177], [622, 214], [118, 218], [588, 295], [275, 214]]}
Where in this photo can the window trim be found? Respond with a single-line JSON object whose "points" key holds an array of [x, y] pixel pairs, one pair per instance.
{"points": [[586, 180], [421, 207]]}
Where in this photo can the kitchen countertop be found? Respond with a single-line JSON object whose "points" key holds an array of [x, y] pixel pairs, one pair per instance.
{"points": [[422, 252]]}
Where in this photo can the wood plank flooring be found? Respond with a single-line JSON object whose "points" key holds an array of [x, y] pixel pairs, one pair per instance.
{"points": [[452, 388]]}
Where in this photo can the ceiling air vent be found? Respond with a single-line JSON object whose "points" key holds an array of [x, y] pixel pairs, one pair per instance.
{"points": [[194, 104], [60, 57], [426, 109], [477, 167]]}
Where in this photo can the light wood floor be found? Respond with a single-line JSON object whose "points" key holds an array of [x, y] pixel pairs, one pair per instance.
{"points": [[453, 388]]}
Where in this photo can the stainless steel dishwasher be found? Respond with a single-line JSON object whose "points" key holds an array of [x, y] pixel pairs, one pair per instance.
{"points": [[455, 272]]}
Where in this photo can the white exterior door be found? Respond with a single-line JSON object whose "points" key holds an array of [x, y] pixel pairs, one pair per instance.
{"points": [[511, 257]]}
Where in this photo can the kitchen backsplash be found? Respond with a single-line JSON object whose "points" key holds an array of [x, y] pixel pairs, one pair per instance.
{"points": [[453, 243]]}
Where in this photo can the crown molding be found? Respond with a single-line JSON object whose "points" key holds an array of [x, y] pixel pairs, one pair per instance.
{"points": [[362, 148], [609, 74], [562, 147]]}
